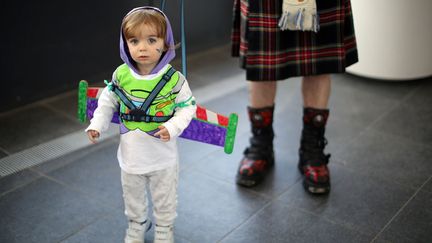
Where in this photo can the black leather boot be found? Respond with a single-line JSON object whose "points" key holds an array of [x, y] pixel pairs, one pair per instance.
{"points": [[259, 156], [313, 162]]}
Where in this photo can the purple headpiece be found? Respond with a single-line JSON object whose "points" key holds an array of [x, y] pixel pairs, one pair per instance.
{"points": [[166, 58]]}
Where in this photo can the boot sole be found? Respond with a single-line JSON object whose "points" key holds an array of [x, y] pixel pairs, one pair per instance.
{"points": [[250, 181], [314, 188], [247, 182], [318, 189]]}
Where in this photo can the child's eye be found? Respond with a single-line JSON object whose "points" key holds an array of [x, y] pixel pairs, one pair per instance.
{"points": [[152, 40], [133, 41]]}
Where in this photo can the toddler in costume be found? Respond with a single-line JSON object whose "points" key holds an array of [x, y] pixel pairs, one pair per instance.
{"points": [[155, 104]]}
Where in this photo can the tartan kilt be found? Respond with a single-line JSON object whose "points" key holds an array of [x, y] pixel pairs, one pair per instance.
{"points": [[269, 54]]}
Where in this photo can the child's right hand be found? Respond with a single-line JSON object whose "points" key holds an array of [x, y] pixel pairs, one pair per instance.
{"points": [[93, 135]]}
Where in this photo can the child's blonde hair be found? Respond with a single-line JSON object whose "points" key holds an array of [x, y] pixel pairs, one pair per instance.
{"points": [[134, 21]]}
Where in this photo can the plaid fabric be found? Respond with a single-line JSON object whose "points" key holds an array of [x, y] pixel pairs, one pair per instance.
{"points": [[269, 54]]}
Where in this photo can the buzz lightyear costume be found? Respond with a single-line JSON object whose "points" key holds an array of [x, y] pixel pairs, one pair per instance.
{"points": [[145, 102]]}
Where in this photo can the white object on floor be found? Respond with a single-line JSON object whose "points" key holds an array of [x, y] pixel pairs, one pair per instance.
{"points": [[394, 39]]}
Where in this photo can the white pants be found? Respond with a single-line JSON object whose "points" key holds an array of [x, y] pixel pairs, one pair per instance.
{"points": [[162, 185]]}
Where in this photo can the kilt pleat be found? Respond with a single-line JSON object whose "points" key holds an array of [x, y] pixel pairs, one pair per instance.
{"points": [[269, 54]]}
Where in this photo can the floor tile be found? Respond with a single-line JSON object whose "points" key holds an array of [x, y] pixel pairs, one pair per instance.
{"points": [[42, 121], [66, 159], [358, 202], [356, 85], [45, 211], [413, 223], [208, 209], [428, 186], [111, 229], [420, 97], [289, 94], [280, 223], [107, 229], [192, 152], [16, 230], [99, 180], [389, 157], [287, 128], [16, 180], [362, 101], [415, 125], [340, 133]]}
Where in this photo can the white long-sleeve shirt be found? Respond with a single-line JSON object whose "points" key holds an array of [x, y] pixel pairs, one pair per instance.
{"points": [[139, 152]]}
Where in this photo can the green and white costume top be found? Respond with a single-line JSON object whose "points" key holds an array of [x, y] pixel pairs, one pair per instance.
{"points": [[139, 152], [145, 105]]}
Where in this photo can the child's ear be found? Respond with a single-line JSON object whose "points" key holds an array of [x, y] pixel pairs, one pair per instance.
{"points": [[167, 47]]}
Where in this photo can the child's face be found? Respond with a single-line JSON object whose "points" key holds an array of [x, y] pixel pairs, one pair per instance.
{"points": [[146, 48]]}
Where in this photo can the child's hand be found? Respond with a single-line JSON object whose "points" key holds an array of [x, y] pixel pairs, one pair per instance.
{"points": [[163, 134], [93, 135]]}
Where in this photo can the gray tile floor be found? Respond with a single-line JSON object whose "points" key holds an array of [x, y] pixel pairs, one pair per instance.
{"points": [[380, 138]]}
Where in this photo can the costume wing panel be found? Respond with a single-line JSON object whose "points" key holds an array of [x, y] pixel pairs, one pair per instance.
{"points": [[206, 126]]}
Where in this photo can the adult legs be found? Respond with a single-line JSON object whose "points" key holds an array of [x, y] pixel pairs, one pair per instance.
{"points": [[259, 156], [262, 94], [316, 91], [312, 160]]}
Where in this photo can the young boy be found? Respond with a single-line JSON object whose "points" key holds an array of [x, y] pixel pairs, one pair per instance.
{"points": [[155, 105]]}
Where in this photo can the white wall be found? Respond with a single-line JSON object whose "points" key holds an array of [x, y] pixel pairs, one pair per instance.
{"points": [[394, 39]]}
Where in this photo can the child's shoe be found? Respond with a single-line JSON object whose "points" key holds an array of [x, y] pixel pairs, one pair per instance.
{"points": [[136, 231], [164, 234]]}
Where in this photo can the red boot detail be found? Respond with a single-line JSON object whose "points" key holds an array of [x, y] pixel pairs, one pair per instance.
{"points": [[259, 156]]}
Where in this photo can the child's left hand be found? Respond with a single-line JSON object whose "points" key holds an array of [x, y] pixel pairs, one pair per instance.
{"points": [[163, 134]]}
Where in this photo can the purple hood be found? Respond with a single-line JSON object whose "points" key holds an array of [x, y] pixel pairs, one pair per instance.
{"points": [[167, 57]]}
